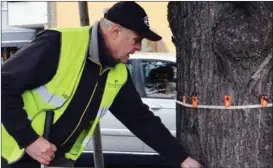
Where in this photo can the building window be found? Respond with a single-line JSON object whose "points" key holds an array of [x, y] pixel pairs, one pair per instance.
{"points": [[4, 5]]}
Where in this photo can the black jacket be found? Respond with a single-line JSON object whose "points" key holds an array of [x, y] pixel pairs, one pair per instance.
{"points": [[36, 64]]}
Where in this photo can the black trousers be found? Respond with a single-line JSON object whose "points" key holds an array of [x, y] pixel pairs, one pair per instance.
{"points": [[27, 162]]}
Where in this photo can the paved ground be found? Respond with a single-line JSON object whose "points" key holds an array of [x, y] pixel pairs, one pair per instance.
{"points": [[129, 166], [132, 166]]}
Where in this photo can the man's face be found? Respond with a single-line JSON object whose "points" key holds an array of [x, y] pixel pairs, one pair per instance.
{"points": [[125, 42]]}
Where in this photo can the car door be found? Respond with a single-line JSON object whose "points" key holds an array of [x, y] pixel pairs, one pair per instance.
{"points": [[114, 135], [159, 88]]}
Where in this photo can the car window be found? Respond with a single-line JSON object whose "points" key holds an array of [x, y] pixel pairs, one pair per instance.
{"points": [[130, 67], [159, 78]]}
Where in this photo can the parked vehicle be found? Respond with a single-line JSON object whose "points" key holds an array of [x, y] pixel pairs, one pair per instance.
{"points": [[154, 75]]}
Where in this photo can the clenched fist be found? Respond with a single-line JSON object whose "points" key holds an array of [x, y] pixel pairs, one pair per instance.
{"points": [[41, 150]]}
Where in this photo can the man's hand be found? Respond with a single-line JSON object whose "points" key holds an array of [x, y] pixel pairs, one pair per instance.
{"points": [[41, 150], [190, 163]]}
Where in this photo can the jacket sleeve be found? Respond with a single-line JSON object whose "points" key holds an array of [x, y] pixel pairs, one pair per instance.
{"points": [[136, 116], [30, 67]]}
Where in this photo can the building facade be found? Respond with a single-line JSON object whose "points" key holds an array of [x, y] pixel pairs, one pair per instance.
{"points": [[67, 15], [19, 27], [22, 20]]}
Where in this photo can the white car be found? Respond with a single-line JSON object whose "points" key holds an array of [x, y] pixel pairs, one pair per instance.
{"points": [[118, 143]]}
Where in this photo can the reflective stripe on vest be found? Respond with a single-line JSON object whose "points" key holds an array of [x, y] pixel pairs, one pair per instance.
{"points": [[85, 141], [102, 111], [49, 98], [75, 152]]}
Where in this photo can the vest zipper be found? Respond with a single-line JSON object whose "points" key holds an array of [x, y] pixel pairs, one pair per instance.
{"points": [[100, 73], [82, 114], [104, 70]]}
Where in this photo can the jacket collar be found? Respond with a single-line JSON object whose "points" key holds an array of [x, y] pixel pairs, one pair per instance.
{"points": [[93, 44], [98, 50]]}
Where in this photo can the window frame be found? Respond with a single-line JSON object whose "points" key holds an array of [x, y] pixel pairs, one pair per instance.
{"points": [[133, 68], [4, 5]]}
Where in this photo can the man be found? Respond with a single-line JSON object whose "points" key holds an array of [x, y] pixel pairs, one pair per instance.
{"points": [[79, 74]]}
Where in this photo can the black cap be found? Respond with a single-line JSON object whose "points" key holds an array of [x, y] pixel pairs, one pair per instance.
{"points": [[131, 16]]}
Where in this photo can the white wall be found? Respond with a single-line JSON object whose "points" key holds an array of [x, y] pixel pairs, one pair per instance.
{"points": [[11, 35], [4, 23], [4, 19], [27, 14]]}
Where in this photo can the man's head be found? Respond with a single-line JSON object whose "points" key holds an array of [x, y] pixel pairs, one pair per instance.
{"points": [[124, 26]]}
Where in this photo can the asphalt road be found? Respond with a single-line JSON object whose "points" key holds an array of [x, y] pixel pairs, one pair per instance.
{"points": [[130, 166], [133, 166]]}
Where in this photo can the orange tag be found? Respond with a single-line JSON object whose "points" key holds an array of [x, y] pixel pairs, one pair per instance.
{"points": [[227, 101], [264, 102], [184, 99], [194, 101]]}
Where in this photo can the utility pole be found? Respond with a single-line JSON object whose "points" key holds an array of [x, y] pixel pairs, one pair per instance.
{"points": [[97, 146], [51, 15]]}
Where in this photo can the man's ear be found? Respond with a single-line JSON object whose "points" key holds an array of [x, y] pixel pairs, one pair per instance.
{"points": [[115, 31]]}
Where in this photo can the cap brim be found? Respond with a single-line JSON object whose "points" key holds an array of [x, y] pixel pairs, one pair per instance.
{"points": [[150, 35]]}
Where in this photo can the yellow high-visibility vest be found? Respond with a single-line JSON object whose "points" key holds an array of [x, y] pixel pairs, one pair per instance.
{"points": [[57, 93]]}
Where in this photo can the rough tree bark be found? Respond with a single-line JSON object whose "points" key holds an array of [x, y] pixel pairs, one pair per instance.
{"points": [[225, 48]]}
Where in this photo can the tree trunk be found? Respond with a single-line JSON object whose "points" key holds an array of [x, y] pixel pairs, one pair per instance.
{"points": [[224, 48]]}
